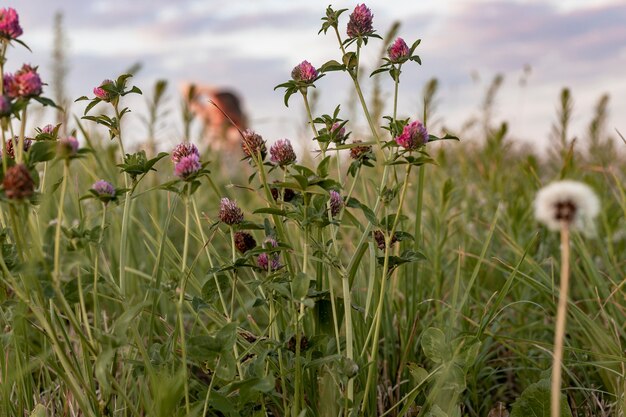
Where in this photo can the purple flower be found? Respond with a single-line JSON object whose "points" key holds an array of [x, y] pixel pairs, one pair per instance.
{"points": [[253, 144], [101, 93], [304, 72], [184, 149], [338, 133], [230, 213], [282, 153], [103, 188], [360, 23], [48, 129], [9, 24], [10, 143], [413, 136], [336, 203], [187, 166], [265, 260], [399, 51], [68, 147], [5, 106], [24, 83]]}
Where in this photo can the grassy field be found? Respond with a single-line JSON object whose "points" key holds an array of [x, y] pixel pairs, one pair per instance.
{"points": [[410, 281]]}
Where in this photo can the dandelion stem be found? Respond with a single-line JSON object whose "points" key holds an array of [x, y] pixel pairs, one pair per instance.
{"points": [[561, 316]]}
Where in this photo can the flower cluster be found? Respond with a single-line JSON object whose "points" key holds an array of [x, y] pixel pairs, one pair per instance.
{"points": [[25, 83], [9, 24], [413, 136], [244, 242], [360, 22], [18, 183], [399, 51], [253, 144], [9, 146], [282, 153], [101, 93], [230, 213], [68, 147], [186, 158], [104, 191], [266, 261], [304, 72], [336, 203], [379, 238]]}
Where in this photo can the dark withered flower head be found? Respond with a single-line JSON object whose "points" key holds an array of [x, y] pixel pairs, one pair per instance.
{"points": [[244, 242], [230, 213]]}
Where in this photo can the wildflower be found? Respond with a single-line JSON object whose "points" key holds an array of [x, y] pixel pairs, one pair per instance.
{"points": [[187, 166], [288, 193], [379, 237], [18, 183], [104, 191], [360, 22], [264, 260], [282, 152], [101, 93], [361, 151], [570, 202], [9, 24], [304, 72], [25, 83], [184, 149], [230, 213], [336, 203], [5, 106], [413, 136], [398, 51], [68, 147], [338, 133], [48, 129], [244, 242], [253, 144], [11, 142]]}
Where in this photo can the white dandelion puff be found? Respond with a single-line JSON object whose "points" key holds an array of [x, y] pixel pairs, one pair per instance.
{"points": [[567, 201]]}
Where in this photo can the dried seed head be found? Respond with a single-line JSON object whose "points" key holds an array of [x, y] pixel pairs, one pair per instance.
{"points": [[570, 202], [244, 242], [360, 152], [18, 183], [253, 144]]}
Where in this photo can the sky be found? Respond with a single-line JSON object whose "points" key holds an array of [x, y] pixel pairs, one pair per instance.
{"points": [[250, 46]]}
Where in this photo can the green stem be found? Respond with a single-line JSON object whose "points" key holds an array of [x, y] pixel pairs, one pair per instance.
{"points": [[56, 275], [127, 203], [183, 265], [371, 377], [96, 304]]}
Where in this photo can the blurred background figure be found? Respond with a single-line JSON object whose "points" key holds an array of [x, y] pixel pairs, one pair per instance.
{"points": [[218, 133]]}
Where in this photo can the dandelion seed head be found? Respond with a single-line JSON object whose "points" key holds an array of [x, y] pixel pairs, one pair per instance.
{"points": [[567, 201]]}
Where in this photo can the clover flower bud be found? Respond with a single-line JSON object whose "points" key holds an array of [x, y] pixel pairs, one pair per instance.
{"points": [[187, 166], [230, 213], [282, 152], [413, 136], [304, 72], [398, 51], [360, 22]]}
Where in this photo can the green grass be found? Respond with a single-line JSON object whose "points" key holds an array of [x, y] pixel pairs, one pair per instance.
{"points": [[463, 321]]}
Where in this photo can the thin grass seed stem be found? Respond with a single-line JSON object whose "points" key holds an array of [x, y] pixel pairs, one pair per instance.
{"points": [[57, 235], [561, 316], [96, 303]]}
